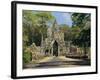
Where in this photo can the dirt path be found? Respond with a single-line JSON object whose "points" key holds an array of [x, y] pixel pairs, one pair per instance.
{"points": [[60, 61]]}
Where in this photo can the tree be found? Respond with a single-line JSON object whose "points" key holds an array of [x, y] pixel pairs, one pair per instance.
{"points": [[35, 26], [80, 19], [27, 27], [44, 18], [67, 31], [83, 38]]}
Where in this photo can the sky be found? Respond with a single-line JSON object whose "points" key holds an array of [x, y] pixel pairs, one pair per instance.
{"points": [[63, 18]]}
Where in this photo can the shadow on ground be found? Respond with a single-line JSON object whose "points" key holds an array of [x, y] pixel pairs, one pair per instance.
{"points": [[83, 62]]}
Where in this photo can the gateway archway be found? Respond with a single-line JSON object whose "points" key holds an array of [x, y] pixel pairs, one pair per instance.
{"points": [[55, 48]]}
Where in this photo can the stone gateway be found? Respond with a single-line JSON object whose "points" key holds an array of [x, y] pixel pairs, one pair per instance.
{"points": [[54, 44]]}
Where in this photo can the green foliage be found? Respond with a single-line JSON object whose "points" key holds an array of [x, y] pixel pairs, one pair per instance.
{"points": [[27, 57], [75, 32], [80, 19], [67, 32], [35, 25], [44, 18], [83, 38]]}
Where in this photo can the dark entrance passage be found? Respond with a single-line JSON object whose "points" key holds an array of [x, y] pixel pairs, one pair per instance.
{"points": [[55, 49]]}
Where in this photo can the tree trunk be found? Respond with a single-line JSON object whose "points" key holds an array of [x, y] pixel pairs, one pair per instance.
{"points": [[85, 50], [41, 43]]}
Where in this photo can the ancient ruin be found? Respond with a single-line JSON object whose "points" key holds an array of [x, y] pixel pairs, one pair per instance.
{"points": [[54, 44]]}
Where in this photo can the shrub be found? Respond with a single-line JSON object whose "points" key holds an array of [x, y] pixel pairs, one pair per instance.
{"points": [[27, 57]]}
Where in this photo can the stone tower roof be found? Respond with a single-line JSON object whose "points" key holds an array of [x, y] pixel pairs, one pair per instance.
{"points": [[55, 26]]}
